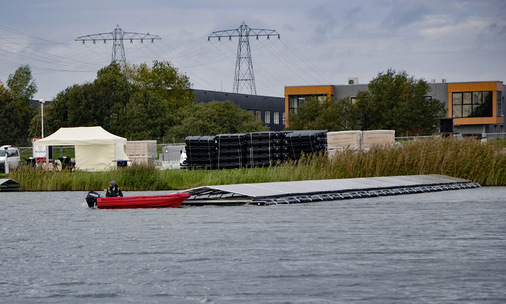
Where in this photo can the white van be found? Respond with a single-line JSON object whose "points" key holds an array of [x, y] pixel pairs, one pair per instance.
{"points": [[12, 155]]}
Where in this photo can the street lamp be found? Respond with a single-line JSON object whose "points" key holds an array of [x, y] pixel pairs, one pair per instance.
{"points": [[42, 102]]}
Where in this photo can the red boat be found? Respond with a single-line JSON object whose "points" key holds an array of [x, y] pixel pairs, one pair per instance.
{"points": [[146, 201]]}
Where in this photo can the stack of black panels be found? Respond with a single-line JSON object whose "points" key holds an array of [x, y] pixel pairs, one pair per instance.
{"points": [[259, 149], [230, 151], [201, 152], [305, 142], [264, 149]]}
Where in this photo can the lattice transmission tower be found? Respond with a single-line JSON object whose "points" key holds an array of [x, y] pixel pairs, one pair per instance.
{"points": [[244, 76], [117, 36]]}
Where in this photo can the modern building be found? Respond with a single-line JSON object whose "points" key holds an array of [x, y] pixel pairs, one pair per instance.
{"points": [[476, 108], [270, 110]]}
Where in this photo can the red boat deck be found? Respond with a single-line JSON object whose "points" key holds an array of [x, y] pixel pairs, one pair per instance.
{"points": [[147, 201]]}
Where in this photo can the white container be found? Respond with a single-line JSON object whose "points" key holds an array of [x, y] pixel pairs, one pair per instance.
{"points": [[141, 152], [374, 138]]}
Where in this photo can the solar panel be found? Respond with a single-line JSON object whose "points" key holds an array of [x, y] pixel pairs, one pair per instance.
{"points": [[247, 193]]}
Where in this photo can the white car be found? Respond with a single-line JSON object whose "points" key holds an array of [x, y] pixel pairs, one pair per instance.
{"points": [[12, 155]]}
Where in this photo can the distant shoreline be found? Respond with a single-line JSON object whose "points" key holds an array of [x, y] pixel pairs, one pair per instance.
{"points": [[468, 159]]}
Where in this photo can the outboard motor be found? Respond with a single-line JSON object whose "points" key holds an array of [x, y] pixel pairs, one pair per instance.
{"points": [[91, 199]]}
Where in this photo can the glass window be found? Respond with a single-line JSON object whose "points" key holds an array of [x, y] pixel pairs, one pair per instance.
{"points": [[500, 104], [466, 98], [472, 104], [258, 115], [457, 98], [283, 118], [276, 118], [467, 110], [457, 111], [267, 117], [477, 98], [293, 103]]}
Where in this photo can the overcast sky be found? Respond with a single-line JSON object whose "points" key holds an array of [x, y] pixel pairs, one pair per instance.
{"points": [[322, 41]]}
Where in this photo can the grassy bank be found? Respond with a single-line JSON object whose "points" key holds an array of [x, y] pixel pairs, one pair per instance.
{"points": [[469, 159]]}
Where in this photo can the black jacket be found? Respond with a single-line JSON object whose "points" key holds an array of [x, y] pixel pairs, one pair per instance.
{"points": [[113, 192]]}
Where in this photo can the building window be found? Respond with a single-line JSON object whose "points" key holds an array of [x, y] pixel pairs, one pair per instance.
{"points": [[294, 101], [283, 118], [500, 100], [472, 104], [258, 114], [276, 118], [267, 117]]}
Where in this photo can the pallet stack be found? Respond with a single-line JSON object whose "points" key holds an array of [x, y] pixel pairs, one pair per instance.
{"points": [[300, 143], [201, 152], [230, 151], [259, 149], [264, 149]]}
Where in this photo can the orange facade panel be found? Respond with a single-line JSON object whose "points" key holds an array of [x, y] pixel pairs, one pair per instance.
{"points": [[474, 86], [310, 90], [477, 121]]}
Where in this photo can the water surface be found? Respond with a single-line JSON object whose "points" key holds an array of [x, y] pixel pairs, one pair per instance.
{"points": [[420, 248]]}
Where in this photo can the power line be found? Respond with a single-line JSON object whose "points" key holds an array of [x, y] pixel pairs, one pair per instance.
{"points": [[244, 76], [117, 36]]}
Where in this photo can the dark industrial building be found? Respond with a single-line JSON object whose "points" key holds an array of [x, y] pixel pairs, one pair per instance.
{"points": [[270, 110]]}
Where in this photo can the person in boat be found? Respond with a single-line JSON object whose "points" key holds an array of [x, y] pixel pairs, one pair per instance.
{"points": [[113, 190]]}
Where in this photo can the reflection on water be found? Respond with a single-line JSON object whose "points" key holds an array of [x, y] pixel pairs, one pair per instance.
{"points": [[433, 247]]}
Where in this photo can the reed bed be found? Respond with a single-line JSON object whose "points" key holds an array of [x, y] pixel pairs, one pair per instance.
{"points": [[468, 159]]}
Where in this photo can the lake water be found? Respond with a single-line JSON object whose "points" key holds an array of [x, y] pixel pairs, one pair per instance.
{"points": [[439, 247]]}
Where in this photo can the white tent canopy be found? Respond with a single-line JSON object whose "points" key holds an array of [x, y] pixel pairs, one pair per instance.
{"points": [[96, 149]]}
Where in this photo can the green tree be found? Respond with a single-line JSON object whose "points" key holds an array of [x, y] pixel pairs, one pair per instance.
{"points": [[15, 109], [99, 103], [168, 90], [21, 85], [217, 117], [331, 115], [399, 102], [137, 102], [164, 80], [144, 116]]}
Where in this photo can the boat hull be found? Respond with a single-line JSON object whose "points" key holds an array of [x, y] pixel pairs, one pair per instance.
{"points": [[147, 201]]}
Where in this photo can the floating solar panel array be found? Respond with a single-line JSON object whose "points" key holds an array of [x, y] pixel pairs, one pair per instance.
{"points": [[307, 191], [258, 149]]}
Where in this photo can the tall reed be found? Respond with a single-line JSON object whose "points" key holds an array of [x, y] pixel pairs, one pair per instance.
{"points": [[468, 159]]}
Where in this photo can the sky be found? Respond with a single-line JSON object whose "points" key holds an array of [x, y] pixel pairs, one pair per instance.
{"points": [[322, 42]]}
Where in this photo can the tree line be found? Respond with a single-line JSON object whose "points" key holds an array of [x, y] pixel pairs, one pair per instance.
{"points": [[141, 102], [138, 102]]}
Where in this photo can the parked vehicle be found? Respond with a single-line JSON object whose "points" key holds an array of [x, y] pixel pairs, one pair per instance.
{"points": [[183, 161], [11, 154]]}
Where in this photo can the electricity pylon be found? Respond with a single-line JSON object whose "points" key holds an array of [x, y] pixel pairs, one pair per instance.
{"points": [[243, 76], [117, 36]]}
